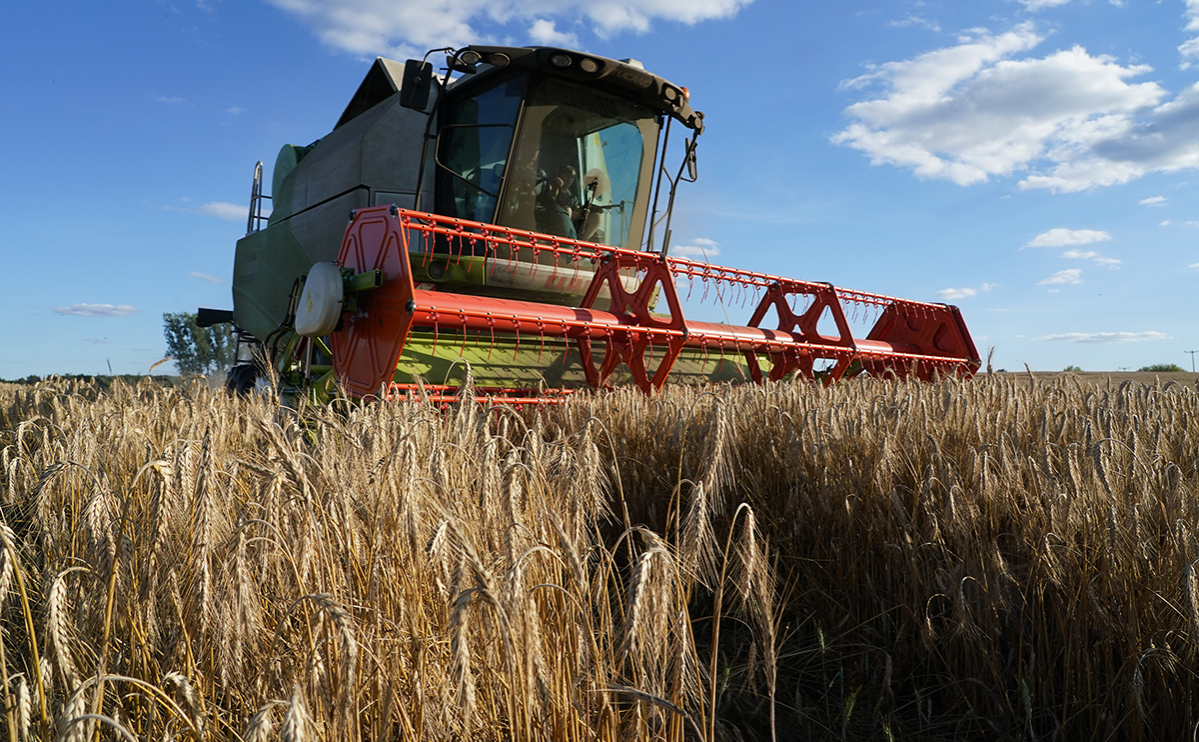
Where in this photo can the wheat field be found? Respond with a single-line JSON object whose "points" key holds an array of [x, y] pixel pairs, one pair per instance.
{"points": [[998, 558]]}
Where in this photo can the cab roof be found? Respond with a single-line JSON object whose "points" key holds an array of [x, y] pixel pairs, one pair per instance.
{"points": [[624, 78]]}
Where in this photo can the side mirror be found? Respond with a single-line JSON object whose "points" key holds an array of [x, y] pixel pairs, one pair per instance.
{"points": [[415, 87], [692, 167]]}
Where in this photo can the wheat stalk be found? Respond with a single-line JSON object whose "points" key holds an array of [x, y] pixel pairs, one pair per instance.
{"points": [[297, 726], [57, 629]]}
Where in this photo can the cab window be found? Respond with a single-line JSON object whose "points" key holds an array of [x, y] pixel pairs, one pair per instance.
{"points": [[473, 150], [579, 165]]}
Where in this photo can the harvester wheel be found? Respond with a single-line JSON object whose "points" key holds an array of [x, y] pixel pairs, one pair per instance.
{"points": [[241, 378]]}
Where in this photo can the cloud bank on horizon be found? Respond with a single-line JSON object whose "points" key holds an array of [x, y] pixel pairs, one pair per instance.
{"points": [[405, 28], [985, 107]]}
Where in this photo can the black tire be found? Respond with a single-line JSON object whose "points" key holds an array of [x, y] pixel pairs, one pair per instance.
{"points": [[241, 378]]}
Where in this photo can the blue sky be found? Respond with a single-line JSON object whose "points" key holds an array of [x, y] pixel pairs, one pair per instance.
{"points": [[1032, 161]]}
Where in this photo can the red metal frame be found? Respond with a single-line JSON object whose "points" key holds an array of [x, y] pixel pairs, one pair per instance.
{"points": [[907, 338]]}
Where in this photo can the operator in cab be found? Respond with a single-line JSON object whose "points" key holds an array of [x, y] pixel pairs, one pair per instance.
{"points": [[557, 205]]}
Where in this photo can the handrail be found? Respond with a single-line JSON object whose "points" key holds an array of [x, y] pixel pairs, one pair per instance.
{"points": [[254, 223]]}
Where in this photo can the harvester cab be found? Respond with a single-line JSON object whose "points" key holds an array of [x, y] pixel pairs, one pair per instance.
{"points": [[551, 141], [504, 221]]}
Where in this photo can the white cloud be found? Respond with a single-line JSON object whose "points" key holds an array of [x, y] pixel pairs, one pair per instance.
{"points": [[224, 210], [1106, 337], [918, 21], [1035, 5], [951, 294], [700, 247], [964, 293], [1061, 237], [1112, 263], [1068, 276], [206, 277], [98, 310], [546, 33], [403, 28], [1153, 201], [1166, 223], [1068, 121], [219, 209], [1193, 265], [174, 100], [1190, 47], [235, 111]]}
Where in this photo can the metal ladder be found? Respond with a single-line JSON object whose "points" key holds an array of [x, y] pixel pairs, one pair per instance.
{"points": [[256, 198]]}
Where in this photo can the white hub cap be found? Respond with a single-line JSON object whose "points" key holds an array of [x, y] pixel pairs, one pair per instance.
{"points": [[320, 304]]}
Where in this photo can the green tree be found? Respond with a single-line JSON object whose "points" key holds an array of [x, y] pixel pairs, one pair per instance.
{"points": [[198, 350], [1072, 370], [1162, 368]]}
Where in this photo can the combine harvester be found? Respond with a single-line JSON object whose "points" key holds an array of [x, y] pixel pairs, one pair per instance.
{"points": [[516, 221]]}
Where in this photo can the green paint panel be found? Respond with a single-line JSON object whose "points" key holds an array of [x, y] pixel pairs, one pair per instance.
{"points": [[551, 362], [264, 270]]}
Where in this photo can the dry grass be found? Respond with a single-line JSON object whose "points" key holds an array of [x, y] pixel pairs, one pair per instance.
{"points": [[997, 559]]}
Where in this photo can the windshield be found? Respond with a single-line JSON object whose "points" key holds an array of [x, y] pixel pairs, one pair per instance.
{"points": [[579, 165], [580, 169], [473, 150]]}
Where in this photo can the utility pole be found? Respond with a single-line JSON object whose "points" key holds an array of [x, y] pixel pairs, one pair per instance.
{"points": [[1192, 352]]}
